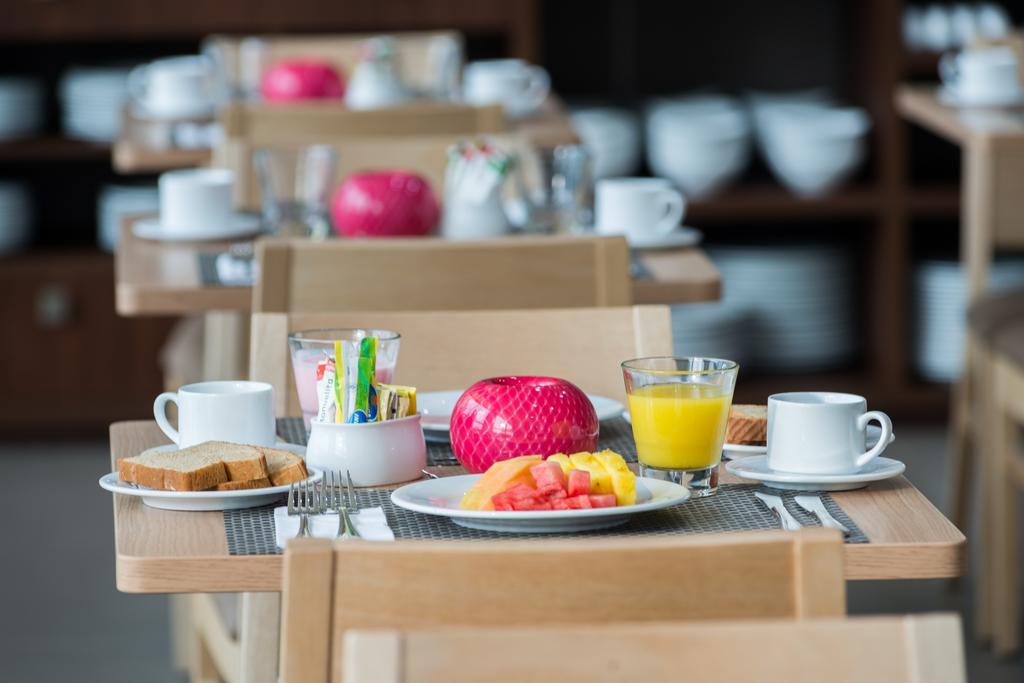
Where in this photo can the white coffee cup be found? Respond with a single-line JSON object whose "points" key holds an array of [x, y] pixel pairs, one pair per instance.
{"points": [[196, 201], [516, 85], [176, 87], [822, 432], [981, 75], [639, 208], [235, 411]]}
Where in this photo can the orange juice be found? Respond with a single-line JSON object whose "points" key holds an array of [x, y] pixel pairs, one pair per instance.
{"points": [[679, 426]]}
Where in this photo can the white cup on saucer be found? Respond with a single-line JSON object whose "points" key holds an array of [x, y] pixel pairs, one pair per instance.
{"points": [[196, 204], [176, 87], [641, 209], [822, 432], [235, 411], [513, 83], [982, 76]]}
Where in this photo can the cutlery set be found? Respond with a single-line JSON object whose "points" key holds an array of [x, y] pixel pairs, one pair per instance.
{"points": [[332, 494], [812, 504]]}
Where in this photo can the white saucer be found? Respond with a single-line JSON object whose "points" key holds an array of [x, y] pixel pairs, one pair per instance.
{"points": [[241, 225], [756, 468], [951, 98], [683, 237]]}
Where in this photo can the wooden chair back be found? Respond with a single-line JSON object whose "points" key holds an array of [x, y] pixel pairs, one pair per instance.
{"points": [[444, 350], [331, 588], [415, 274], [904, 649]]}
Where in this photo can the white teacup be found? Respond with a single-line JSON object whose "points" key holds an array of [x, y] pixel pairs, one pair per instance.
{"points": [[519, 87], [981, 75], [822, 432], [235, 411], [177, 87], [639, 208], [196, 201]]}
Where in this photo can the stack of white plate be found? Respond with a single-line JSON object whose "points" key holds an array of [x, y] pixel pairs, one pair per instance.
{"points": [[712, 330], [15, 217], [92, 99], [801, 302], [115, 201], [613, 138], [21, 107], [940, 313]]}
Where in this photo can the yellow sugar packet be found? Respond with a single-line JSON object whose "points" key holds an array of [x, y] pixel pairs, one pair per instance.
{"points": [[396, 401]]}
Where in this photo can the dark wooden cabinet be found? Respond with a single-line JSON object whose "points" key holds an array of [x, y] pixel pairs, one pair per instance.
{"points": [[69, 364]]}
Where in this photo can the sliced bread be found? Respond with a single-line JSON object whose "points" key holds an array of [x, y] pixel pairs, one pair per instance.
{"points": [[189, 469], [748, 425], [243, 463], [284, 467], [244, 485]]}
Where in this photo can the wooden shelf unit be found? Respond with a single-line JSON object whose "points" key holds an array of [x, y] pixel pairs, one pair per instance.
{"points": [[54, 148]]}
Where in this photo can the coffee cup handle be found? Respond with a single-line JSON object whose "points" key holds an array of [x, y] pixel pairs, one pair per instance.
{"points": [[674, 207], [160, 413], [538, 86], [949, 69], [862, 424]]}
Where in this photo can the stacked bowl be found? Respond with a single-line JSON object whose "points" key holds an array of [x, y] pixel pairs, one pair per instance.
{"points": [[713, 330], [92, 99], [15, 217], [613, 138], [701, 143], [940, 313], [117, 201], [801, 303], [21, 107]]}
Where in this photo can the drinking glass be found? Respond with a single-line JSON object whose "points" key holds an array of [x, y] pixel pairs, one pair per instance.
{"points": [[295, 184], [560, 198], [679, 408], [309, 347]]}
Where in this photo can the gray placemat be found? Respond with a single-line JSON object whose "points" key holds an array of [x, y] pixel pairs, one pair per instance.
{"points": [[733, 508]]}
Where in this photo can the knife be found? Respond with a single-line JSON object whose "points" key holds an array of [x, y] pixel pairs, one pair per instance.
{"points": [[775, 504], [814, 505]]}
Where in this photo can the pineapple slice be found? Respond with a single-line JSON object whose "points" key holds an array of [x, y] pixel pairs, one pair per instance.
{"points": [[600, 480], [563, 461], [623, 480]]}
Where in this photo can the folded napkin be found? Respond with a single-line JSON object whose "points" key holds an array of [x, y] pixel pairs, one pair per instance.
{"points": [[371, 523]]}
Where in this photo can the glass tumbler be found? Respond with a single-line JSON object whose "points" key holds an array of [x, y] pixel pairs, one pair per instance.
{"points": [[679, 408], [295, 185]]}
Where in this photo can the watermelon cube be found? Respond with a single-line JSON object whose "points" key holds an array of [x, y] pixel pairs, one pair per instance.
{"points": [[530, 505], [560, 494], [561, 504], [549, 477], [506, 499], [579, 502], [579, 483], [603, 500]]}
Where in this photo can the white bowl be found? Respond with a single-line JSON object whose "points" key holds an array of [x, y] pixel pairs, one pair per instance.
{"points": [[613, 138], [375, 453]]}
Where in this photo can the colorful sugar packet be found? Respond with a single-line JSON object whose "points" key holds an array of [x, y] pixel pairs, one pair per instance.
{"points": [[347, 390]]}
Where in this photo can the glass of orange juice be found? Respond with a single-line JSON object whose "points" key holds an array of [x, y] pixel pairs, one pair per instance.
{"points": [[679, 408]]}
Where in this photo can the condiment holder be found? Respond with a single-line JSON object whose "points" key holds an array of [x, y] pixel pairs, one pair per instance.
{"points": [[373, 453]]}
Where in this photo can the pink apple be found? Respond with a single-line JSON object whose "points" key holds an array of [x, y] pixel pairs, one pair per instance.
{"points": [[505, 417], [301, 79], [384, 204]]}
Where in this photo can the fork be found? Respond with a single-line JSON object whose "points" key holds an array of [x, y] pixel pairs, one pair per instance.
{"points": [[341, 496], [304, 501]]}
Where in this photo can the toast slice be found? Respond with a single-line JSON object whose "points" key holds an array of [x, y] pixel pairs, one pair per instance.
{"points": [[748, 425], [190, 469], [244, 485], [243, 463], [284, 467]]}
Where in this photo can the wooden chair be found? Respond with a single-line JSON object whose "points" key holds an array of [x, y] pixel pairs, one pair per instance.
{"points": [[444, 350], [331, 588], [415, 274], [911, 649]]}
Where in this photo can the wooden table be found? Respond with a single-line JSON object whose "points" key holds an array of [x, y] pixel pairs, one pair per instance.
{"points": [[160, 551], [162, 278]]}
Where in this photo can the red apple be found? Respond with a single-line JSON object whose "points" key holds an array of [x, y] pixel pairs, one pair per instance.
{"points": [[505, 417], [384, 204], [301, 79]]}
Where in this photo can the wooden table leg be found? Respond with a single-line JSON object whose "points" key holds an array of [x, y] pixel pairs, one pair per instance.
{"points": [[259, 632]]}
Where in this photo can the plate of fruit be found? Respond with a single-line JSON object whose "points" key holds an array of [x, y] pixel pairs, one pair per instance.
{"points": [[531, 494]]}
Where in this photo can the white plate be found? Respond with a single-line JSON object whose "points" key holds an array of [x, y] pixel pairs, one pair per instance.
{"points": [[242, 225], [436, 410], [441, 497], [756, 468], [204, 500], [683, 237], [951, 98]]}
